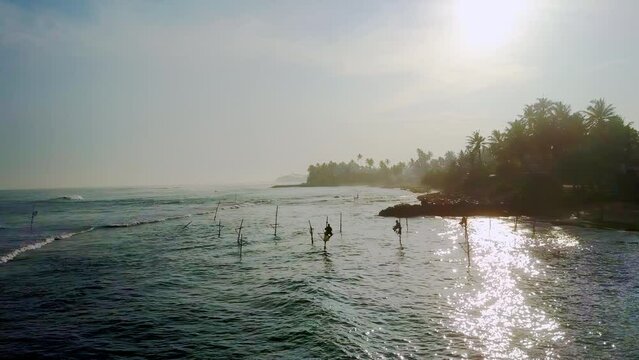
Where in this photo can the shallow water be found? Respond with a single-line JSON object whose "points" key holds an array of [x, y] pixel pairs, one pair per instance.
{"points": [[128, 279]]}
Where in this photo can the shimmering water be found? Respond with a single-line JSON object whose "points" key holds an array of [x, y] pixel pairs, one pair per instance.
{"points": [[127, 278]]}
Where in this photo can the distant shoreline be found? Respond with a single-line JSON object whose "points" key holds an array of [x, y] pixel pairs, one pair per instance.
{"points": [[290, 186], [417, 189]]}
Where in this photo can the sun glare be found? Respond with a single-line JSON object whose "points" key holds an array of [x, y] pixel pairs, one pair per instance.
{"points": [[484, 26]]}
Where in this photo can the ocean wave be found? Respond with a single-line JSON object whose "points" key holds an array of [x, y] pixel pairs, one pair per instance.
{"points": [[154, 221], [136, 223], [10, 256], [67, 197]]}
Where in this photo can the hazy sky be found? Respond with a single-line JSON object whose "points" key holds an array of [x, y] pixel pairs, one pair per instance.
{"points": [[200, 92]]}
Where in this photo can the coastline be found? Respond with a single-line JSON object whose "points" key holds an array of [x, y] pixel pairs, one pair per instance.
{"points": [[603, 215], [290, 186], [417, 189]]}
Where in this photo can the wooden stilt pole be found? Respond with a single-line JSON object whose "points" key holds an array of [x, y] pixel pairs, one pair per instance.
{"points": [[340, 223], [468, 251], [219, 229], [239, 233], [310, 230], [275, 226], [216, 209], [467, 243]]}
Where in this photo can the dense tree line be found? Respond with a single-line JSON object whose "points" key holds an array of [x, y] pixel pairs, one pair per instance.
{"points": [[546, 155]]}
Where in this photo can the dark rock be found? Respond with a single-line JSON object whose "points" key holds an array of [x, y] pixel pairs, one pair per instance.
{"points": [[438, 204]]}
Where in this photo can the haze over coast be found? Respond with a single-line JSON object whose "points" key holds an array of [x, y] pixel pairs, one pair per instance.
{"points": [[101, 93]]}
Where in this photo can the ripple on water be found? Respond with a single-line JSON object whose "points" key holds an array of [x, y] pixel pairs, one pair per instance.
{"points": [[163, 290]]}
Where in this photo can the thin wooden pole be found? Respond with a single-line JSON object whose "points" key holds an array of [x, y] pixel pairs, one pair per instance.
{"points": [[516, 221], [325, 241], [340, 223], [310, 229], [216, 209], [239, 233], [468, 250], [467, 243], [276, 210], [219, 229], [406, 225]]}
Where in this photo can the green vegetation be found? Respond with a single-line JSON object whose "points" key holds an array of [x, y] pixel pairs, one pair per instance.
{"points": [[364, 172], [548, 156]]}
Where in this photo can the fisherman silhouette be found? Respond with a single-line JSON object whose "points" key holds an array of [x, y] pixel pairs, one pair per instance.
{"points": [[398, 227], [463, 222], [328, 230], [34, 213]]}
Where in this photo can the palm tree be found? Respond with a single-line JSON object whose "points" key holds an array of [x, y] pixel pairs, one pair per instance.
{"points": [[475, 144], [370, 162], [561, 111], [496, 144], [598, 112], [515, 140], [544, 106], [537, 114], [496, 141], [516, 130]]}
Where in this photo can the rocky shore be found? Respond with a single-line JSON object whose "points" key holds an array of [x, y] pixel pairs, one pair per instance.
{"points": [[617, 215], [438, 204]]}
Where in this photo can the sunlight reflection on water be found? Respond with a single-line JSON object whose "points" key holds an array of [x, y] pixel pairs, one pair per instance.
{"points": [[491, 310]]}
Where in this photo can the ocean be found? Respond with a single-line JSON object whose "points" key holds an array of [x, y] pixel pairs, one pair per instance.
{"points": [[142, 273]]}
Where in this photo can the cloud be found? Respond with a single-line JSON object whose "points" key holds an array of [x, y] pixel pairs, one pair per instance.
{"points": [[427, 55]]}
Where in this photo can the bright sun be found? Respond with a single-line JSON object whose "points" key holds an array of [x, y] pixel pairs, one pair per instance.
{"points": [[486, 25]]}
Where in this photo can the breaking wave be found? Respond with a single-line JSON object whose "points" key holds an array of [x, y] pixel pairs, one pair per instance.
{"points": [[10, 256], [68, 197]]}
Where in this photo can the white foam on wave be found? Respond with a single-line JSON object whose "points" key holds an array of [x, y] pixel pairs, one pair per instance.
{"points": [[10, 256], [73, 197], [69, 197]]}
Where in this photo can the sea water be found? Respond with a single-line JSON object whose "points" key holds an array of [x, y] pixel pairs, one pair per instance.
{"points": [[141, 272]]}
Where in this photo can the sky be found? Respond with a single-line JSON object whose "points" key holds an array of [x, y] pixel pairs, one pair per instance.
{"points": [[134, 93]]}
